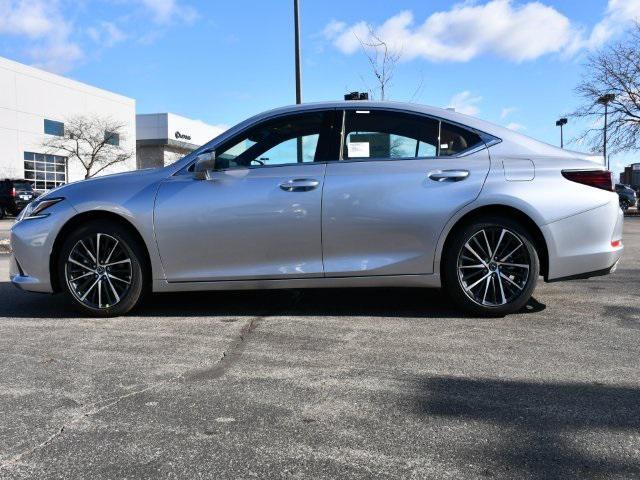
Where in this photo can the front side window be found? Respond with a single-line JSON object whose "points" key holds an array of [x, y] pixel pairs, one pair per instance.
{"points": [[45, 172], [289, 140], [52, 127], [385, 134]]}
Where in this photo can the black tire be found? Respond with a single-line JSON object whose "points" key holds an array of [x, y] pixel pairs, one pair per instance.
{"points": [[128, 246], [2, 213], [458, 287]]}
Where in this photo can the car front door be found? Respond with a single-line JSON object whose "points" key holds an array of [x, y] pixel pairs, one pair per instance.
{"points": [[258, 215], [401, 178]]}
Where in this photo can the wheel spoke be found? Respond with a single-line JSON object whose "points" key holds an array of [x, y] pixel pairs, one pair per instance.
{"points": [[113, 290], [98, 248], [486, 289], [510, 253], [468, 247], [504, 300], [486, 240], [75, 262], [90, 288], [119, 262], [495, 252], [117, 278], [89, 252], [510, 281], [111, 253], [477, 282], [516, 265], [100, 293], [473, 266], [82, 276]]}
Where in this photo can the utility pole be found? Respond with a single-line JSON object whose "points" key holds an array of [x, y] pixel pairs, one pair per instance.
{"points": [[296, 20], [296, 16], [605, 100], [560, 123]]}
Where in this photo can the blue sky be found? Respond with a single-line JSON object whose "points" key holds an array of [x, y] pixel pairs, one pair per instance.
{"points": [[511, 62]]}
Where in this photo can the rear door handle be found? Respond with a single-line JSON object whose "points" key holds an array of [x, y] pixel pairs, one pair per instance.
{"points": [[448, 175], [299, 185]]}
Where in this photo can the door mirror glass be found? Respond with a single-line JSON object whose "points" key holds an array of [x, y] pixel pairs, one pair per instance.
{"points": [[205, 164]]}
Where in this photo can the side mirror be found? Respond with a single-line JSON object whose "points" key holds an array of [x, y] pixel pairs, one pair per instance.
{"points": [[205, 164]]}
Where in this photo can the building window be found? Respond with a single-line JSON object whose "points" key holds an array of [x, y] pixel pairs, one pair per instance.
{"points": [[112, 138], [52, 127], [45, 171]]}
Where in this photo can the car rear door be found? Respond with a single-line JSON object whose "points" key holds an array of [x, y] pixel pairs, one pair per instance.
{"points": [[401, 178]]}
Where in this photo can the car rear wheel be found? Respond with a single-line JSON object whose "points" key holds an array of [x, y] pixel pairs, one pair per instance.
{"points": [[491, 267], [2, 213], [101, 269]]}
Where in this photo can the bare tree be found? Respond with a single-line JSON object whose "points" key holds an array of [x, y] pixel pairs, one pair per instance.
{"points": [[383, 60], [92, 141], [615, 70]]}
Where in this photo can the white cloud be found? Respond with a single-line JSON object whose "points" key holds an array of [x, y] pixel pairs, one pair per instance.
{"points": [[106, 34], [48, 32], [506, 111], [505, 28], [515, 126], [465, 102], [169, 11]]}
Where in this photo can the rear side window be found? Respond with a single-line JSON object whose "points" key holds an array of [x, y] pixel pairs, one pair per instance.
{"points": [[388, 135], [455, 140]]}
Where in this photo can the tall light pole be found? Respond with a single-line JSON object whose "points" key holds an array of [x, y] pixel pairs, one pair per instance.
{"points": [[296, 21], [605, 100], [560, 123]]}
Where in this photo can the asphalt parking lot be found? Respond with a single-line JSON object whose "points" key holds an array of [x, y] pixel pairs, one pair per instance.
{"points": [[326, 384]]}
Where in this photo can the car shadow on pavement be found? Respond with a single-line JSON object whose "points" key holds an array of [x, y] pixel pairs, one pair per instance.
{"points": [[542, 430], [389, 302]]}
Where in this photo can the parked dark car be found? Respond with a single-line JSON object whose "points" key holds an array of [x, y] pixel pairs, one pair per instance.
{"points": [[627, 196], [14, 196]]}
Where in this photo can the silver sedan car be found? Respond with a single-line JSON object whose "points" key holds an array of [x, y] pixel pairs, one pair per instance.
{"points": [[341, 194]]}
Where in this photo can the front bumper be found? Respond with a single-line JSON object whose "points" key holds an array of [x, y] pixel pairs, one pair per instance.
{"points": [[32, 243], [581, 246]]}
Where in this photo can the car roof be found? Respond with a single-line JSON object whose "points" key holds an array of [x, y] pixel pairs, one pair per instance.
{"points": [[509, 138]]}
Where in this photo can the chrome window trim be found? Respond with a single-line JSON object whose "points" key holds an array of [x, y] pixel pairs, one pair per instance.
{"points": [[487, 139]]}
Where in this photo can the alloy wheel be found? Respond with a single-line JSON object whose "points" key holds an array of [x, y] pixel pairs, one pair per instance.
{"points": [[98, 271], [493, 266]]}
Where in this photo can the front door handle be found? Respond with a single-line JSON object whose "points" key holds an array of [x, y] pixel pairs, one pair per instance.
{"points": [[448, 175], [299, 185]]}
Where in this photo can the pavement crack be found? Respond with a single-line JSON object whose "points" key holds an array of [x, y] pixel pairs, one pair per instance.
{"points": [[228, 356]]}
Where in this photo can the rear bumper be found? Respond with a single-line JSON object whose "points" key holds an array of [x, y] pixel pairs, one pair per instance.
{"points": [[580, 246]]}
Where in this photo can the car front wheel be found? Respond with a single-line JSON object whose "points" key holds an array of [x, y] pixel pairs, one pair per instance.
{"points": [[491, 266], [101, 269]]}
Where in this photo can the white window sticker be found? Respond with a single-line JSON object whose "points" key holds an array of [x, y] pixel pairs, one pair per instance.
{"points": [[358, 150], [444, 145]]}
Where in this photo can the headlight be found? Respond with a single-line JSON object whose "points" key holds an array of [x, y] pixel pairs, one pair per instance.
{"points": [[36, 208]]}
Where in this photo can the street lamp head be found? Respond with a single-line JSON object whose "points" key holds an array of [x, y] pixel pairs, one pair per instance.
{"points": [[561, 122], [607, 98]]}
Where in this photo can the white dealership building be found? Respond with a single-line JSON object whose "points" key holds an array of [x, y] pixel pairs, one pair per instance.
{"points": [[34, 105], [162, 138]]}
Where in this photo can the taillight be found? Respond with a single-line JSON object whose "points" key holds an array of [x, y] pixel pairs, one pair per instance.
{"points": [[13, 192], [594, 178]]}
